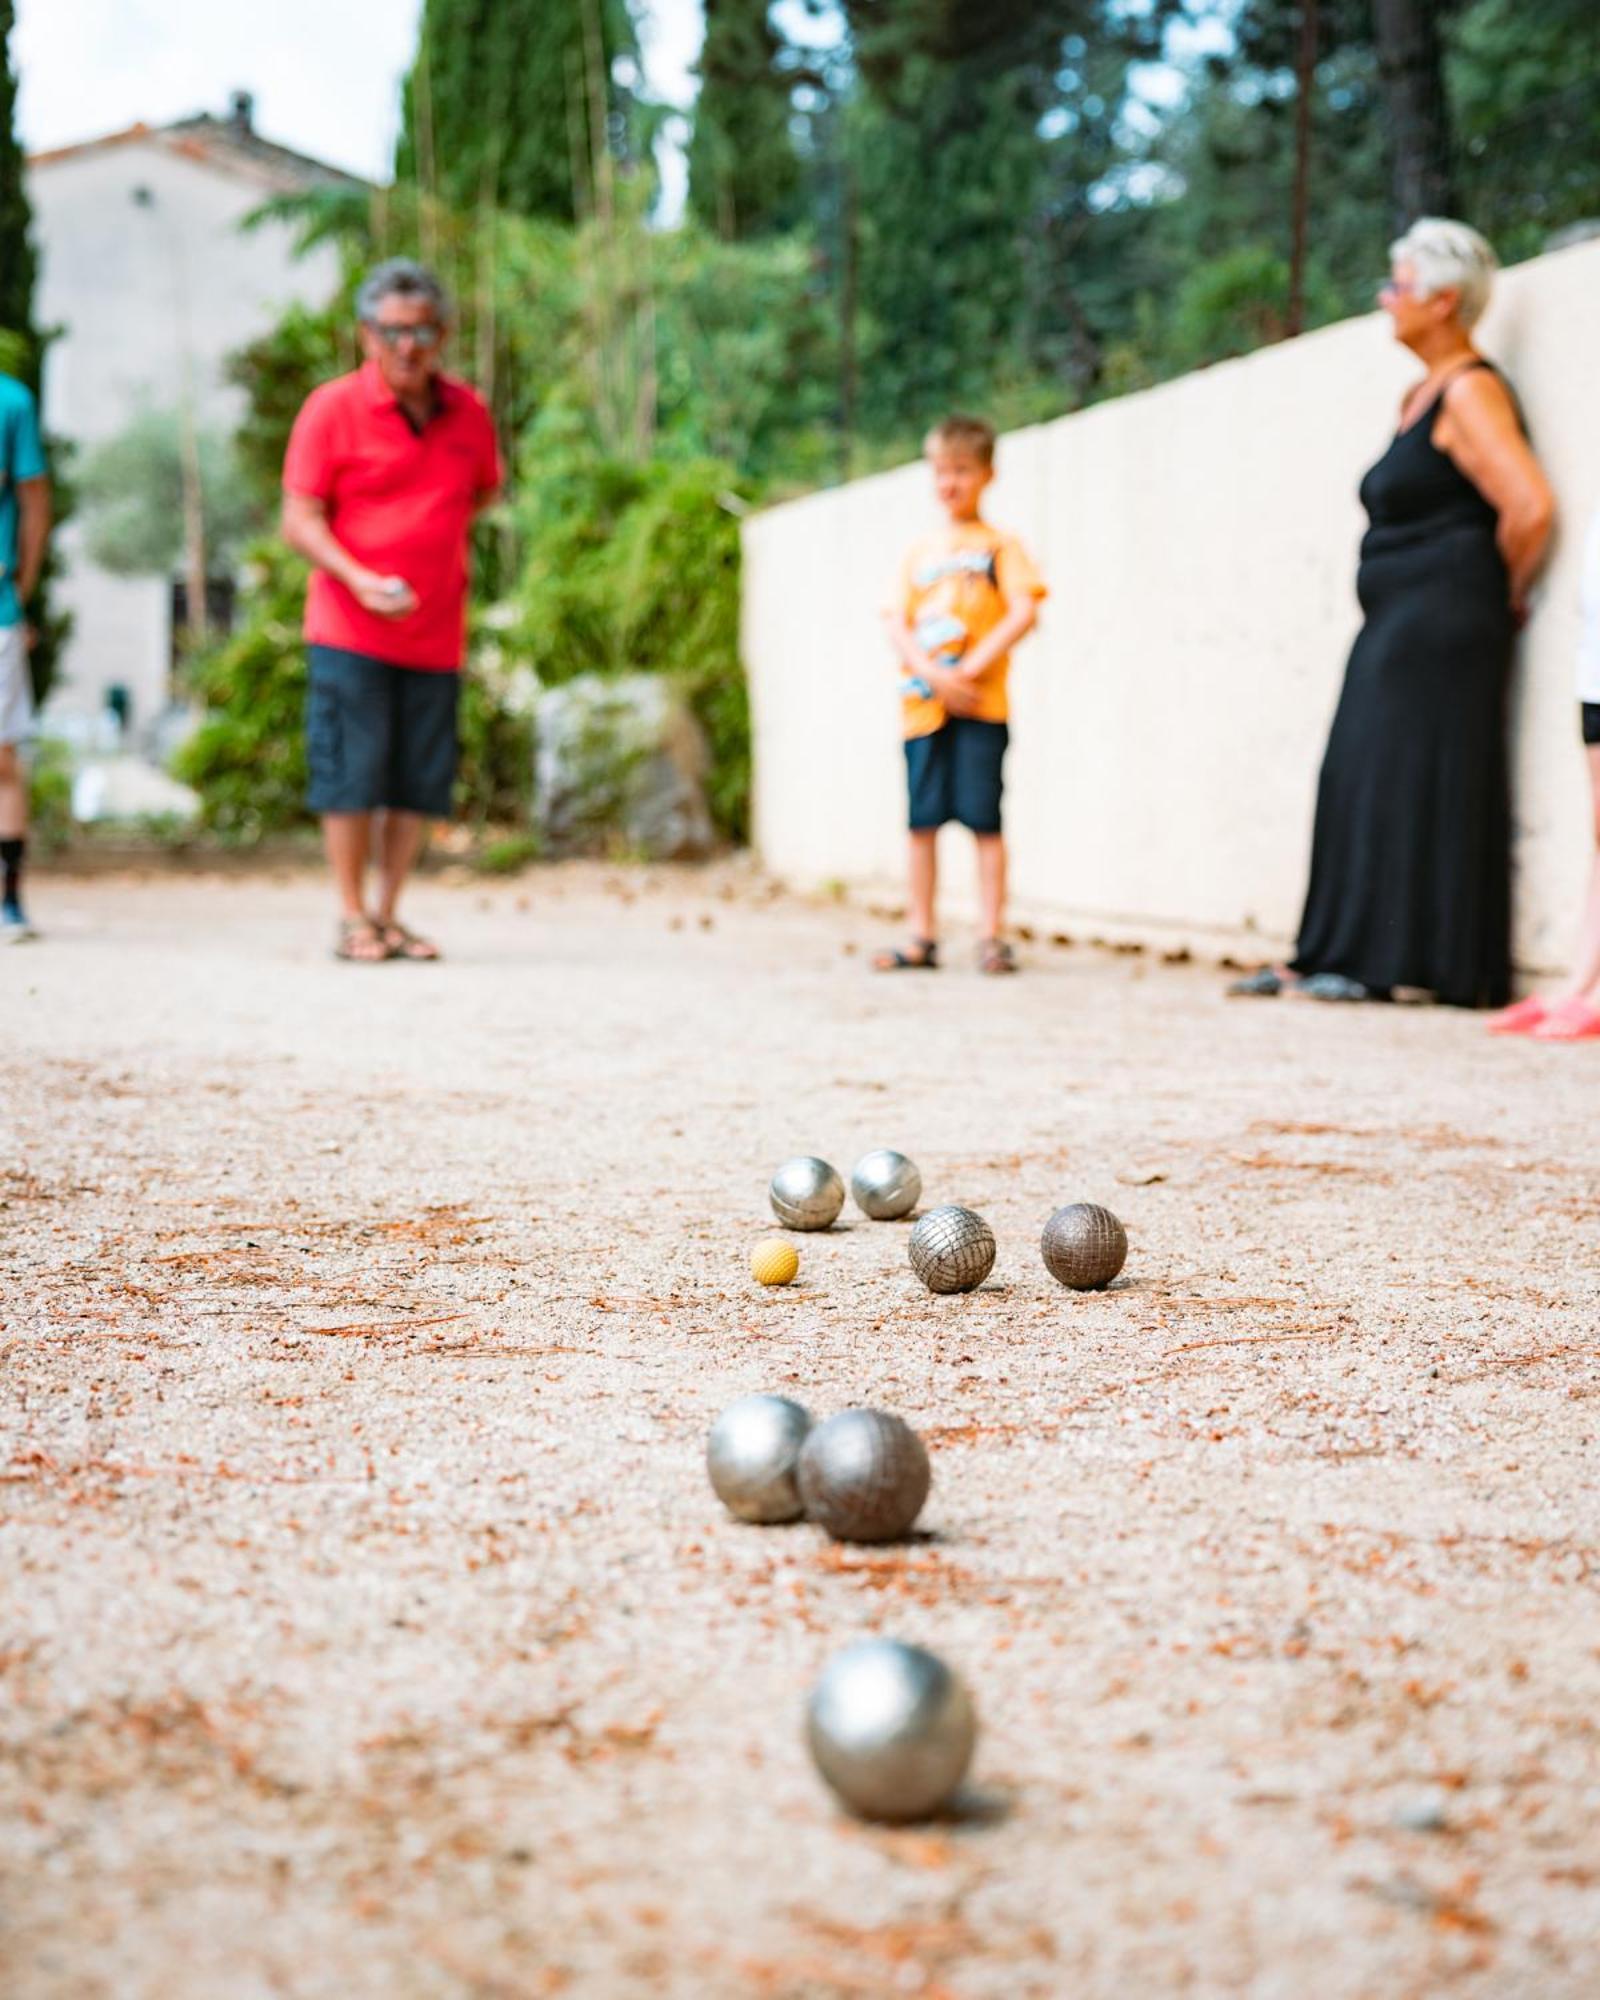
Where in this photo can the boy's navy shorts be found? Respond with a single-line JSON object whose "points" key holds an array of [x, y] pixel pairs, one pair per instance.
{"points": [[378, 735], [956, 774]]}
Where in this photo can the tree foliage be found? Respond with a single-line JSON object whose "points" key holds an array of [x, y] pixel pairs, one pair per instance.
{"points": [[1524, 86], [131, 495], [974, 139]]}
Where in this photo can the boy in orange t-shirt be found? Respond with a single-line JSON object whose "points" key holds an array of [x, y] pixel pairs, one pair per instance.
{"points": [[968, 594]]}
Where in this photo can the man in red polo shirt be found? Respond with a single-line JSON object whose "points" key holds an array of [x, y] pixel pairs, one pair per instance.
{"points": [[385, 471]]}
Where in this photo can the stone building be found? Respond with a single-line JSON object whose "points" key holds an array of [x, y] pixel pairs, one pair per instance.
{"points": [[145, 267]]}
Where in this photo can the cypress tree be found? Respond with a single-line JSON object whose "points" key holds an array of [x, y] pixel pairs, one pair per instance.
{"points": [[744, 176], [504, 96], [21, 349], [18, 264]]}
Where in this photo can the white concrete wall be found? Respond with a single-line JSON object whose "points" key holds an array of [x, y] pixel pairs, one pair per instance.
{"points": [[139, 286], [1168, 718]]}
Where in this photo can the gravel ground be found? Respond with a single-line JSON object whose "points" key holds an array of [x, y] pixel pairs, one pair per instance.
{"points": [[368, 1627]]}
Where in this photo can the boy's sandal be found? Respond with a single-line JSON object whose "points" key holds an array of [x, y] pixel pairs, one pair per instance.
{"points": [[922, 957], [406, 944], [995, 955], [361, 942]]}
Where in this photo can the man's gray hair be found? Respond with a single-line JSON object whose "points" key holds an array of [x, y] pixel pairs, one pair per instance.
{"points": [[399, 278], [1448, 256]]}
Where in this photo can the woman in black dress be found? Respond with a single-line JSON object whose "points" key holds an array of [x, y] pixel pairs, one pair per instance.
{"points": [[1411, 847]]}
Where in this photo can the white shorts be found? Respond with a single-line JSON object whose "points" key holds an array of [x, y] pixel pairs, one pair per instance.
{"points": [[16, 688]]}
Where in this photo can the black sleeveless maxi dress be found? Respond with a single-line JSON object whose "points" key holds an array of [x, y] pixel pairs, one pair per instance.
{"points": [[1411, 845]]}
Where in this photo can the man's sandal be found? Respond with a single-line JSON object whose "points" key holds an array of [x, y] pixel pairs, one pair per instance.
{"points": [[361, 942], [406, 944], [922, 957], [995, 955]]}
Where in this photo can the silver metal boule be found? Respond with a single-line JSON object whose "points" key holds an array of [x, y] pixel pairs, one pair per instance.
{"points": [[752, 1456], [864, 1475], [951, 1249], [891, 1728], [1084, 1246], [886, 1185], [806, 1194]]}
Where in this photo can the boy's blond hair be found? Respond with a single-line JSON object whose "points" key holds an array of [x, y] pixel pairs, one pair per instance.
{"points": [[960, 433]]}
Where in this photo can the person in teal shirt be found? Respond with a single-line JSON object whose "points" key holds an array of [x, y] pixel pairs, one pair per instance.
{"points": [[24, 531]]}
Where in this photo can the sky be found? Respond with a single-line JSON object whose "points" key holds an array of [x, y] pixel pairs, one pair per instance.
{"points": [[325, 73]]}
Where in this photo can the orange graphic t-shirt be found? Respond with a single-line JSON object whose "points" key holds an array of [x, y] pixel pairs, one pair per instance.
{"points": [[957, 585]]}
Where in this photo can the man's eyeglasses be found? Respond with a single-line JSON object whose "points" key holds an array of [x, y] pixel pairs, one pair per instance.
{"points": [[424, 336]]}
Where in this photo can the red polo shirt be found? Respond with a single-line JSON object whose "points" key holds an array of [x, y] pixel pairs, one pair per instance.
{"points": [[401, 501]]}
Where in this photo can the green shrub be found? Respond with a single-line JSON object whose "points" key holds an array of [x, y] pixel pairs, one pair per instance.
{"points": [[508, 855], [50, 795], [494, 780], [247, 759], [635, 568]]}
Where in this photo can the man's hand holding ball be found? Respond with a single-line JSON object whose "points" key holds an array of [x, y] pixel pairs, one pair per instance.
{"points": [[386, 596]]}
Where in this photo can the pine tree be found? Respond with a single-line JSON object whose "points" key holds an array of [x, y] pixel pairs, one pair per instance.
{"points": [[744, 175], [972, 143], [510, 102], [1524, 91], [1411, 63], [18, 264]]}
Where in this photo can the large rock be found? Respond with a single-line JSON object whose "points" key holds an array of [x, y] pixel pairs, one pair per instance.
{"points": [[620, 762]]}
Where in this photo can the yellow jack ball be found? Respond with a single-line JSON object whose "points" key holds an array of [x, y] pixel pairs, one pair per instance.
{"points": [[774, 1261]]}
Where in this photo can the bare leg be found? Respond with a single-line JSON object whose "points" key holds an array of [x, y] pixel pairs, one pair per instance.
{"points": [[347, 840], [1584, 978], [992, 882], [924, 883], [400, 843], [13, 794]]}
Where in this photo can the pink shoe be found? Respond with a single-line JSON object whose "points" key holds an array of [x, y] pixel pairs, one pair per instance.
{"points": [[1572, 1021], [1522, 1019]]}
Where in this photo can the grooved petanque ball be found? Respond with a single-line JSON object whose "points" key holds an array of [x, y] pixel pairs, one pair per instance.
{"points": [[806, 1194], [952, 1250], [891, 1728], [886, 1185], [752, 1455], [1084, 1246], [864, 1476]]}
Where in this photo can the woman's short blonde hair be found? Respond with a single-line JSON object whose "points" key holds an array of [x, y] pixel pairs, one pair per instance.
{"points": [[1448, 256]]}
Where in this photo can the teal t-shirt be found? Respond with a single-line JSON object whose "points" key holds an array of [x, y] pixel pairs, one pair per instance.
{"points": [[21, 457]]}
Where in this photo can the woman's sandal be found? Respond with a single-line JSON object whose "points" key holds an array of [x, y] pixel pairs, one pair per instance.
{"points": [[406, 944], [995, 955], [1265, 983], [361, 942], [1338, 987], [922, 957], [1523, 1017]]}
